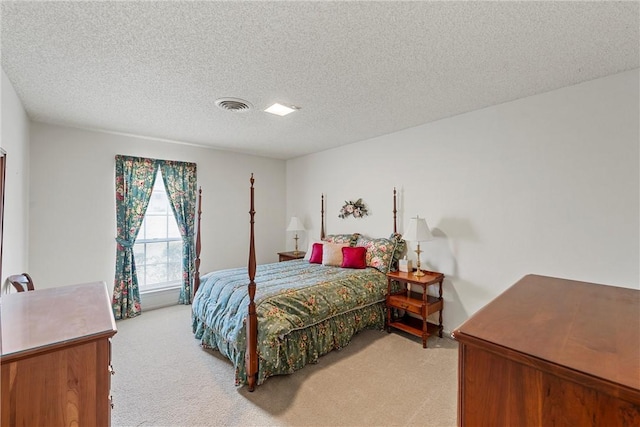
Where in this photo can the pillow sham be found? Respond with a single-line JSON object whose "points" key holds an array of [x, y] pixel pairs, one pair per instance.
{"points": [[350, 239], [316, 253], [399, 252], [332, 254], [383, 254], [354, 257]]}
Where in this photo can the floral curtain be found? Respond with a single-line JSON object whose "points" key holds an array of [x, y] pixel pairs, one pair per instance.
{"points": [[180, 182], [134, 182]]}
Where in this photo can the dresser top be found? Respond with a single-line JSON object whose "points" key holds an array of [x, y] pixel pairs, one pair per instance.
{"points": [[44, 319], [590, 328]]}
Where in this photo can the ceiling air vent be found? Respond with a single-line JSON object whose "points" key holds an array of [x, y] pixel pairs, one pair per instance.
{"points": [[233, 104]]}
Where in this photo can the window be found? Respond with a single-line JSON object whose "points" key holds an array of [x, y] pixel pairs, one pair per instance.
{"points": [[158, 247]]}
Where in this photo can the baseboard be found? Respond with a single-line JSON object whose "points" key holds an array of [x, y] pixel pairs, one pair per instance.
{"points": [[150, 300]]}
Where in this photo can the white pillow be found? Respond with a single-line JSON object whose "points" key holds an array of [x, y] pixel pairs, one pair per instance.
{"points": [[307, 256], [332, 253]]}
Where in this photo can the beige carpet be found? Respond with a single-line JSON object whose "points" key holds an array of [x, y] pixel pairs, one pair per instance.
{"points": [[164, 378]]}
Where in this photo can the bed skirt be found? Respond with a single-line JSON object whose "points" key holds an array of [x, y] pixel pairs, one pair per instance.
{"points": [[299, 347]]}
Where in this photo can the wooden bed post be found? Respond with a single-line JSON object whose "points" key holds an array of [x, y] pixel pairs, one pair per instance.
{"points": [[196, 278], [322, 217], [251, 355], [395, 228]]}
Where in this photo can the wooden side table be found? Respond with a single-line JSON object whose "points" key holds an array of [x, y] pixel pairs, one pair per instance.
{"points": [[414, 302], [288, 256]]}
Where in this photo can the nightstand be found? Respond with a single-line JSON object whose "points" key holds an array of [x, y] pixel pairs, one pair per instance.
{"points": [[288, 256], [417, 303]]}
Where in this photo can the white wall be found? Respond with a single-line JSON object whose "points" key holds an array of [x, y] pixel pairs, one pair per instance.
{"points": [[548, 185], [14, 140], [72, 200]]}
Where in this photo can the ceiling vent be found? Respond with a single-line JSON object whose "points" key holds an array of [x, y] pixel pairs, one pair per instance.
{"points": [[233, 104]]}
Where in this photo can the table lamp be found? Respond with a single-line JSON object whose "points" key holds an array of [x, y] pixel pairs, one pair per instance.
{"points": [[418, 231], [295, 225]]}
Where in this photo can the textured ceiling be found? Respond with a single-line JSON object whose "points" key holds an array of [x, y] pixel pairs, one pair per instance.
{"points": [[356, 69]]}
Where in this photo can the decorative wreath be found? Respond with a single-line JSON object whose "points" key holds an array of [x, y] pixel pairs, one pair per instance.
{"points": [[357, 209]]}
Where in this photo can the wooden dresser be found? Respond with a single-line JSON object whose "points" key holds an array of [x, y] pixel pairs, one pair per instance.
{"points": [[552, 352], [56, 356]]}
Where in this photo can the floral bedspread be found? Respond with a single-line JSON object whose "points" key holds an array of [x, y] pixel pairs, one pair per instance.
{"points": [[304, 310]]}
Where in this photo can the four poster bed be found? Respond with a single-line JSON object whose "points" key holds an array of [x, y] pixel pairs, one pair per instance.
{"points": [[293, 312]]}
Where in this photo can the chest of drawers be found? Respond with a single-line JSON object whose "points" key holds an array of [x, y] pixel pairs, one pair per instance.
{"points": [[56, 356], [552, 352]]}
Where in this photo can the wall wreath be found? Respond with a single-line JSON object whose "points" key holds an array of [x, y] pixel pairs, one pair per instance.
{"points": [[358, 209]]}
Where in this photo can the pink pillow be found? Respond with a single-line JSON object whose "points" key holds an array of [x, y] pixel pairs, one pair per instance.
{"points": [[316, 254], [354, 257]]}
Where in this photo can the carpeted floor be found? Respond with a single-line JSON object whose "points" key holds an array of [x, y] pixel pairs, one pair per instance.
{"points": [[164, 378]]}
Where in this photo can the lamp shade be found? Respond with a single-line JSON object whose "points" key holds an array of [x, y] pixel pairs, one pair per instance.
{"points": [[418, 230], [295, 224]]}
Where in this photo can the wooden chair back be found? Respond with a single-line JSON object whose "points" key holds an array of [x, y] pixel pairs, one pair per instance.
{"points": [[22, 282]]}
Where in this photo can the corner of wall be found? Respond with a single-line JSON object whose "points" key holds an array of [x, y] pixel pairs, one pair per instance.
{"points": [[15, 140]]}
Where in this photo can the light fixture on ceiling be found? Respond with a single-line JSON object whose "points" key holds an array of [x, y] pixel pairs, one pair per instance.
{"points": [[281, 110]]}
